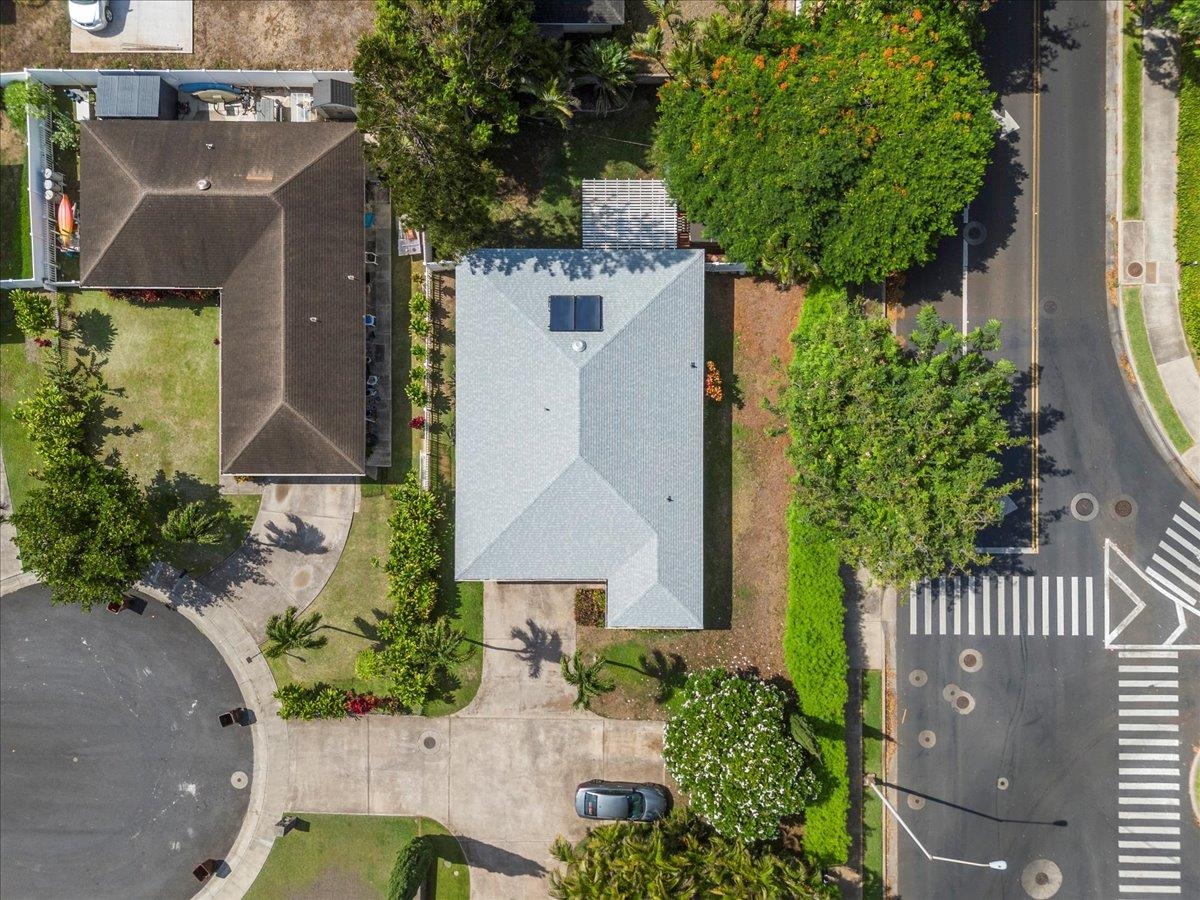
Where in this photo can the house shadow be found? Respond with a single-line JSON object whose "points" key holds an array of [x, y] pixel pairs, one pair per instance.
{"points": [[718, 457]]}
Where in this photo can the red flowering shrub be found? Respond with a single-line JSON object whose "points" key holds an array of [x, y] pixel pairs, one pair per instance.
{"points": [[416, 422], [149, 297], [360, 704]]}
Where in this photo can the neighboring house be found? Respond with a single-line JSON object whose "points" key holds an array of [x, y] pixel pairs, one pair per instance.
{"points": [[579, 445], [271, 214], [559, 17]]}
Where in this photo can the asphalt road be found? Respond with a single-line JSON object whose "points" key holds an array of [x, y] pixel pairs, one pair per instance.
{"points": [[115, 776], [1055, 709]]}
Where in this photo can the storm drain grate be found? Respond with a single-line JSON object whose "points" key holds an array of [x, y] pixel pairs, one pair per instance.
{"points": [[1123, 508]]}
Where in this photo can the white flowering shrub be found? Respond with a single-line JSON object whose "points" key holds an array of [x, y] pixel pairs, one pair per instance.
{"points": [[727, 748]]}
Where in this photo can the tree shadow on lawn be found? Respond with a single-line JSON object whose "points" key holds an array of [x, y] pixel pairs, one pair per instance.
{"points": [[94, 329], [718, 459], [668, 670]]}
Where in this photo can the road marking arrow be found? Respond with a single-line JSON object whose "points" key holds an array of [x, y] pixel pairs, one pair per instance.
{"points": [[1004, 119]]}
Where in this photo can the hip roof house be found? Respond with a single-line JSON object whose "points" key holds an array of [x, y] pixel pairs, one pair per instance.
{"points": [[579, 446], [271, 214]]}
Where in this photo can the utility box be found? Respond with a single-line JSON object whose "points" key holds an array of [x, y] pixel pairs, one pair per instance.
{"points": [[333, 100]]}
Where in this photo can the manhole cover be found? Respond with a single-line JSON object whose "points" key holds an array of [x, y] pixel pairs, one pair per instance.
{"points": [[1002, 783], [927, 739], [1134, 269], [429, 740], [964, 704], [918, 678], [1085, 507], [239, 780], [1041, 879], [1050, 306], [949, 692], [1123, 508], [971, 660], [975, 233], [915, 802]]}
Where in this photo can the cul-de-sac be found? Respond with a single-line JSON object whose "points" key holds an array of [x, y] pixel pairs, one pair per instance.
{"points": [[599, 449]]}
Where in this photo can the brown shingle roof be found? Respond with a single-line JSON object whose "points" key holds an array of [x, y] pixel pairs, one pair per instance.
{"points": [[279, 230]]}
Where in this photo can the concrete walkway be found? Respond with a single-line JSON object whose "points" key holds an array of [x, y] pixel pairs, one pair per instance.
{"points": [[501, 775], [1155, 238], [291, 551]]}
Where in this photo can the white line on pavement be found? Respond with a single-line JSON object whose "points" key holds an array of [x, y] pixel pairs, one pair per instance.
{"points": [[1166, 682], [928, 608], [1148, 742], [1183, 542], [1074, 605], [1148, 786], [1016, 605], [1181, 521], [987, 604], [1173, 713], [1172, 670], [1148, 801], [1135, 873], [1148, 860], [1030, 599], [1141, 814], [942, 607], [956, 598], [1149, 845], [1151, 889], [1001, 620], [1148, 726], [1179, 556], [1178, 574], [1149, 654], [1160, 757], [1088, 585], [1148, 698], [971, 605], [1061, 599], [1148, 829], [1149, 771], [912, 609], [1184, 506]]}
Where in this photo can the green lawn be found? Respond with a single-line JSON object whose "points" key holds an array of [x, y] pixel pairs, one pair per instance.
{"points": [[160, 364], [872, 808], [1147, 371], [16, 251], [1132, 125], [351, 857], [547, 165], [1187, 226]]}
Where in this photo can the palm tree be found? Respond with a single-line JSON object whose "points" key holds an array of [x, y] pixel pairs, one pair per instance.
{"points": [[552, 100], [442, 645], [605, 67], [287, 633], [587, 679]]}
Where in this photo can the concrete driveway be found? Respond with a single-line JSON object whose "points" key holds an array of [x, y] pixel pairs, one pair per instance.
{"points": [[501, 774], [139, 26]]}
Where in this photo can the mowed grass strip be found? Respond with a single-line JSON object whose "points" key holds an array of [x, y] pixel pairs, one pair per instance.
{"points": [[351, 857], [1147, 371], [1187, 225], [1131, 87]]}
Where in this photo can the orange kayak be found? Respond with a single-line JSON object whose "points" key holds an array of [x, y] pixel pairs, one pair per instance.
{"points": [[66, 218]]}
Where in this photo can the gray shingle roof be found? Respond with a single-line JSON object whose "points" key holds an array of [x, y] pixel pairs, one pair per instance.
{"points": [[278, 231], [565, 459]]}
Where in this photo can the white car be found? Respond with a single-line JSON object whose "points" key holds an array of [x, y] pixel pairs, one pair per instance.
{"points": [[90, 15]]}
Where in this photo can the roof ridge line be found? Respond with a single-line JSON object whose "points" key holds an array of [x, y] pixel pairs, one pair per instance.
{"points": [[312, 162], [319, 433], [142, 193]]}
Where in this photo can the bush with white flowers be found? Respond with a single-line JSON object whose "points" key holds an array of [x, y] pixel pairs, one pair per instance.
{"points": [[727, 747]]}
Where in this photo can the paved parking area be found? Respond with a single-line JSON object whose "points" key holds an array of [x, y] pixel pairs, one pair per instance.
{"points": [[140, 26], [116, 779]]}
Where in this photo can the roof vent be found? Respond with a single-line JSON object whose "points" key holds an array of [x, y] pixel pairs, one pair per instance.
{"points": [[203, 184], [578, 346]]}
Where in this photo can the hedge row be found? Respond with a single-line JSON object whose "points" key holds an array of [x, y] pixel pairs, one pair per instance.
{"points": [[814, 646], [1187, 226], [814, 651]]}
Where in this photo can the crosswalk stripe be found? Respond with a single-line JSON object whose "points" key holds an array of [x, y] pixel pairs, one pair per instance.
{"points": [[971, 605], [928, 608], [1149, 845], [1183, 542], [1178, 574], [1090, 617], [942, 607], [987, 605], [1148, 698], [1148, 786], [1148, 860], [1179, 556], [1171, 757], [1149, 654], [956, 598], [1016, 606], [1148, 742], [1133, 873], [1157, 683], [1184, 506], [1148, 770], [1173, 670], [912, 609], [964, 605], [1179, 520], [1030, 600], [1151, 889], [1157, 815], [1148, 726], [1061, 600], [1169, 587], [1045, 606], [1001, 617], [1074, 605], [1149, 713]]}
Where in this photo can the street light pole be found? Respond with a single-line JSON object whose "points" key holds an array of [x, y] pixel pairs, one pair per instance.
{"points": [[998, 864]]}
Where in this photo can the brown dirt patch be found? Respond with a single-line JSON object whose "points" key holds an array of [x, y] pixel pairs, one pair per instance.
{"points": [[749, 324], [227, 34]]}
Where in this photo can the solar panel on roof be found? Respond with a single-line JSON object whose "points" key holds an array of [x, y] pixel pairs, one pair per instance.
{"points": [[589, 313], [562, 313]]}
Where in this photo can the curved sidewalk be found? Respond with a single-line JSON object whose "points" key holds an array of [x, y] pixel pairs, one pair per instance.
{"points": [[1155, 238]]}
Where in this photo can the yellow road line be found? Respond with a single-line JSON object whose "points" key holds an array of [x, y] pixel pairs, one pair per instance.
{"points": [[1034, 487]]}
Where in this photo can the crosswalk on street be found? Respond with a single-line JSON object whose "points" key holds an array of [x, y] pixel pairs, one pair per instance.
{"points": [[1003, 606], [1150, 782], [1175, 566]]}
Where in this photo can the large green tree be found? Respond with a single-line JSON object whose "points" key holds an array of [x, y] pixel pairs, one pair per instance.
{"points": [[727, 746], [86, 532], [436, 87], [896, 448], [842, 145], [680, 856]]}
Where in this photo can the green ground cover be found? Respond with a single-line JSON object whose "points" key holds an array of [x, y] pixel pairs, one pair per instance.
{"points": [[16, 250], [1147, 371], [1131, 181], [872, 807], [160, 363], [546, 166], [1187, 225], [351, 857]]}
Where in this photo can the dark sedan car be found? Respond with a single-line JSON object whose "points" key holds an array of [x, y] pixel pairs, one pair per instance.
{"points": [[623, 800]]}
